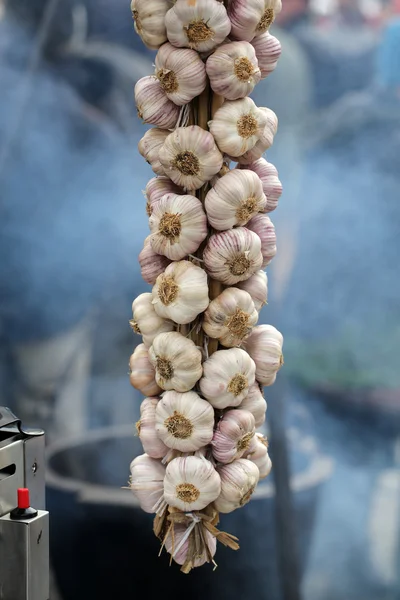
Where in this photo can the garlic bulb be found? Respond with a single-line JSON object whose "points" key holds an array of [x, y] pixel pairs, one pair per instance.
{"points": [[230, 317], [238, 482], [190, 157], [147, 481], [227, 377], [181, 72], [149, 18], [272, 187], [265, 347], [233, 256], [257, 287], [146, 322], [233, 70], [250, 18], [234, 200], [177, 362], [184, 422], [237, 126], [268, 50], [142, 373], [151, 263], [266, 138], [264, 228], [153, 105], [256, 404], [191, 483], [157, 188], [181, 292], [149, 147], [178, 225], [233, 435], [198, 24], [258, 454], [177, 544], [146, 428]]}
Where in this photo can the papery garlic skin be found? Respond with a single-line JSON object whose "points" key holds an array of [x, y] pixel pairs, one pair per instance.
{"points": [[237, 126], [255, 403], [184, 422], [268, 50], [198, 24], [153, 105], [146, 428], [179, 550], [233, 256], [147, 481], [178, 225], [227, 377], [149, 19], [190, 157], [231, 317], [272, 186], [234, 200], [181, 292], [265, 141], [151, 263], [264, 228], [177, 362], [233, 70], [238, 482], [257, 287], [149, 147], [250, 18], [181, 72], [142, 373], [157, 188], [258, 454], [233, 435], [146, 322], [265, 347], [191, 483]]}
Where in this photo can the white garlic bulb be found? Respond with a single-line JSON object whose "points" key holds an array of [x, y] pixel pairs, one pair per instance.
{"points": [[230, 317], [177, 544], [181, 292], [250, 18], [238, 482], [198, 24], [142, 373], [184, 422], [272, 187], [156, 189], [191, 483], [190, 157], [237, 126], [151, 263], [266, 138], [181, 72], [227, 377], [149, 147], [264, 228], [233, 70], [178, 225], [255, 403], [257, 287], [153, 105], [146, 322], [146, 428], [258, 454], [233, 256], [265, 347], [149, 19], [268, 50], [147, 481], [177, 362], [233, 435], [234, 200]]}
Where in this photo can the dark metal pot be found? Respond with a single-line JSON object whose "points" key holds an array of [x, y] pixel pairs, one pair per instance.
{"points": [[103, 547]]}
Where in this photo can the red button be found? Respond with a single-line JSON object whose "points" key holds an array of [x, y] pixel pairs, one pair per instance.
{"points": [[23, 498]]}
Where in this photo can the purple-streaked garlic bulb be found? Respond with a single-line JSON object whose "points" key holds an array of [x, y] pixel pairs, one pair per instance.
{"points": [[149, 147], [264, 345], [233, 70], [191, 483], [146, 428], [231, 317], [146, 322], [251, 18], [151, 263], [238, 482], [176, 360], [233, 435], [264, 228], [272, 187], [149, 19], [257, 287], [153, 105], [177, 544], [142, 375], [147, 482], [255, 403], [258, 454], [181, 72], [156, 189], [268, 50]]}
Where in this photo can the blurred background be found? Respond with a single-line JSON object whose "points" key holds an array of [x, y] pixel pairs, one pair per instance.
{"points": [[72, 223]]}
